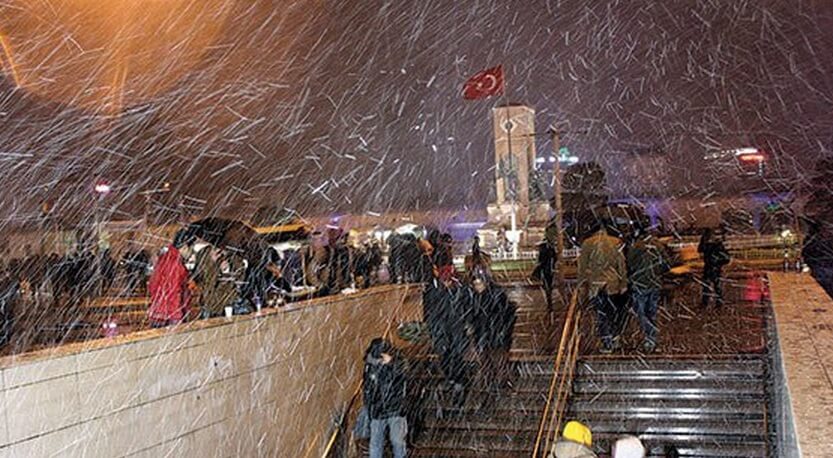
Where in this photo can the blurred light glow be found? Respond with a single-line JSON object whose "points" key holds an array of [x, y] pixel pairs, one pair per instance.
{"points": [[107, 54], [102, 188], [752, 157]]}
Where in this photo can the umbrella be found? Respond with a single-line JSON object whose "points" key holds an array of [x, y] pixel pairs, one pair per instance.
{"points": [[233, 235], [407, 229]]}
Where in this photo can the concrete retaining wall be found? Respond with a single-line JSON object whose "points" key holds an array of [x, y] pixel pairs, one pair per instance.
{"points": [[803, 315], [266, 385]]}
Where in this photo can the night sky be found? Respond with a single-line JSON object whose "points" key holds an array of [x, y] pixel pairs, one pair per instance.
{"points": [[355, 105]]}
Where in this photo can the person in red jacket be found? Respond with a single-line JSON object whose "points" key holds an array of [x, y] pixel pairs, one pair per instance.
{"points": [[168, 285]]}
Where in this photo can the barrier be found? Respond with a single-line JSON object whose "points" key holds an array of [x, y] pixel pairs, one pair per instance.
{"points": [[266, 385]]}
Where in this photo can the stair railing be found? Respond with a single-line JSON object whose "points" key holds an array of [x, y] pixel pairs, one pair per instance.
{"points": [[562, 377]]}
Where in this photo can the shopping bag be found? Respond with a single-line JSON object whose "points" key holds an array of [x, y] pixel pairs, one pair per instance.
{"points": [[361, 430]]}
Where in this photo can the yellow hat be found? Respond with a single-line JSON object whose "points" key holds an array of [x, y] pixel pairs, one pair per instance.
{"points": [[577, 432]]}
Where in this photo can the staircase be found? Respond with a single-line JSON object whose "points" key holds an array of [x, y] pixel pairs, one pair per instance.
{"points": [[497, 425], [504, 424], [706, 408]]}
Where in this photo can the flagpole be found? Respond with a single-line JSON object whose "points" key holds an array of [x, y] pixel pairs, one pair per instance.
{"points": [[513, 216]]}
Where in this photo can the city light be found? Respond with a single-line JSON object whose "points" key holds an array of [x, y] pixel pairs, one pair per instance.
{"points": [[751, 157], [748, 154], [102, 188]]}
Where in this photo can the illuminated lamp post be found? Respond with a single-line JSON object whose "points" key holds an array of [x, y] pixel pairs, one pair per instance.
{"points": [[102, 189], [166, 188]]}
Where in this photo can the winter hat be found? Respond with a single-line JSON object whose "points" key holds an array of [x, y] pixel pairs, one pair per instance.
{"points": [[183, 237], [378, 346], [578, 433], [628, 447]]}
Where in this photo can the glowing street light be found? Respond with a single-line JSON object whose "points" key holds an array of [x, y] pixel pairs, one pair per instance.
{"points": [[102, 188]]}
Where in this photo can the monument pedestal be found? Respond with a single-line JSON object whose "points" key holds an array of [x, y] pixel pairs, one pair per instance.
{"points": [[531, 221]]}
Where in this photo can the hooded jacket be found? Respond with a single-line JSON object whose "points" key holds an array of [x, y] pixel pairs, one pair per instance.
{"points": [[168, 288], [384, 387], [647, 264], [493, 317], [601, 264]]}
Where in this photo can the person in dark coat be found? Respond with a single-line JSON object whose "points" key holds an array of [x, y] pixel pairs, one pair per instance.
{"points": [[443, 255], [493, 320], [647, 264], [136, 266], [817, 253], [375, 259], [293, 268], [361, 266], [340, 277], [215, 293], [445, 314], [9, 294], [395, 257], [107, 267], [545, 269], [715, 256], [475, 249], [384, 391]]}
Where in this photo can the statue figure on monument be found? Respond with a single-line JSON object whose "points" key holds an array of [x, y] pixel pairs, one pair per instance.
{"points": [[492, 192], [537, 186], [510, 177]]}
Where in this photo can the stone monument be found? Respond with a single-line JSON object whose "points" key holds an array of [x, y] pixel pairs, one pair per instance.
{"points": [[514, 133]]}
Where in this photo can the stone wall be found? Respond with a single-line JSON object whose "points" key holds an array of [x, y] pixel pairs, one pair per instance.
{"points": [[267, 385], [803, 315]]}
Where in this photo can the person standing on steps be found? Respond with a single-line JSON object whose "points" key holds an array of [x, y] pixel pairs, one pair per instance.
{"points": [[545, 269], [384, 391], [646, 265], [493, 321], [715, 257], [445, 314], [602, 271]]}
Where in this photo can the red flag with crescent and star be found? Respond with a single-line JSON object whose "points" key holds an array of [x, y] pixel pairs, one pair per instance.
{"points": [[484, 84]]}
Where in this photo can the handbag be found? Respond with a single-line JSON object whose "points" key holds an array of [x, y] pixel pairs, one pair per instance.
{"points": [[361, 430]]}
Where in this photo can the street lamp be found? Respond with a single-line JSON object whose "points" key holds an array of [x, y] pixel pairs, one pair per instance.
{"points": [[102, 188], [165, 188]]}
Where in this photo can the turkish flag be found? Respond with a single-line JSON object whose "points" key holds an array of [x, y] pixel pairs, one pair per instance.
{"points": [[484, 84]]}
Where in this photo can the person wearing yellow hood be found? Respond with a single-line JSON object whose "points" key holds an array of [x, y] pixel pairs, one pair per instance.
{"points": [[576, 440]]}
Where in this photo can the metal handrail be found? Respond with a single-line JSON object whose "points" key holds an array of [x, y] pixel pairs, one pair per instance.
{"points": [[342, 423], [564, 366]]}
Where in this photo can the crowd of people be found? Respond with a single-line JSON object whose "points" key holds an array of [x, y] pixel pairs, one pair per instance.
{"points": [[613, 273], [80, 275], [463, 314], [184, 282], [51, 287], [224, 278]]}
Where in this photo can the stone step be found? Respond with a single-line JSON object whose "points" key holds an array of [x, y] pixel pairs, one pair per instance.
{"points": [[670, 389], [485, 442], [623, 407], [659, 368], [722, 431]]}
